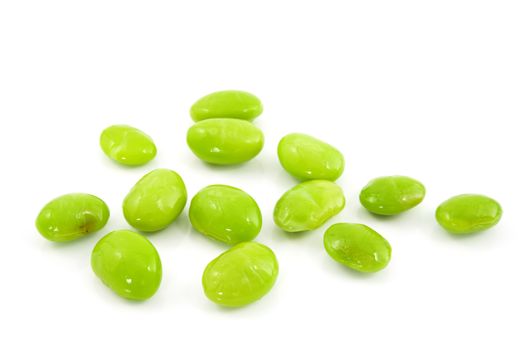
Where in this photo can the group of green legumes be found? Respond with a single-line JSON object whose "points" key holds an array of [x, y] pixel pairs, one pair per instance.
{"points": [[129, 264]]}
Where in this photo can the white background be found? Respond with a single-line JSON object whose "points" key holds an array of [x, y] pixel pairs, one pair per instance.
{"points": [[436, 90]]}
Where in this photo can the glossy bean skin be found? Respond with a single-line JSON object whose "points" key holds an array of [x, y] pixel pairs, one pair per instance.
{"points": [[225, 141], [240, 275], [227, 104], [468, 213], [128, 264], [226, 214], [357, 246], [391, 195], [308, 158], [127, 145], [308, 205], [155, 201], [72, 216]]}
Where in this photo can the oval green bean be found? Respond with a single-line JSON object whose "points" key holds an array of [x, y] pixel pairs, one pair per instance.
{"points": [[127, 145], [72, 216], [155, 201], [227, 104], [226, 214], [308, 205], [240, 275], [468, 213], [391, 195], [357, 246], [128, 264], [225, 141], [308, 158]]}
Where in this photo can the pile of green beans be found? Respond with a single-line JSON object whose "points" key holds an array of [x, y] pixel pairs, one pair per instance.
{"points": [[223, 134]]}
